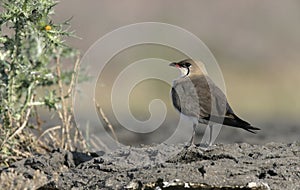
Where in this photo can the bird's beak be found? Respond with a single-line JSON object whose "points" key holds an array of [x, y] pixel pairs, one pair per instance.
{"points": [[173, 64]]}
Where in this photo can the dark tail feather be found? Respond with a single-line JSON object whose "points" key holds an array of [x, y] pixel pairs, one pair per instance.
{"points": [[236, 122], [240, 124]]}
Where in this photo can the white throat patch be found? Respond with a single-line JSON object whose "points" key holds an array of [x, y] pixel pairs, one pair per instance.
{"points": [[183, 71]]}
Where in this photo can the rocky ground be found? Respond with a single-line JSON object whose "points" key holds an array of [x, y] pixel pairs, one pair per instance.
{"points": [[230, 166]]}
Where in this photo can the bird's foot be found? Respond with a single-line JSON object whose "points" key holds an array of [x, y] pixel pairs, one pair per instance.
{"points": [[206, 146], [189, 145]]}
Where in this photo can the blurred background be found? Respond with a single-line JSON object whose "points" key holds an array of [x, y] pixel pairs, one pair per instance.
{"points": [[256, 44]]}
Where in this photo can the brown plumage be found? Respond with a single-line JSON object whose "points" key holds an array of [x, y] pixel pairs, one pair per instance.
{"points": [[195, 95]]}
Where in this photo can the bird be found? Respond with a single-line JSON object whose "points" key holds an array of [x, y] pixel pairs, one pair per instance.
{"points": [[194, 94]]}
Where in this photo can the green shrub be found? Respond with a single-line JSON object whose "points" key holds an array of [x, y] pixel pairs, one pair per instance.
{"points": [[31, 49]]}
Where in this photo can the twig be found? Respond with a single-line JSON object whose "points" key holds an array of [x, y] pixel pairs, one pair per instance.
{"points": [[95, 142], [54, 139], [48, 130], [25, 121], [71, 90], [63, 115], [79, 138], [37, 117], [74, 77], [105, 119]]}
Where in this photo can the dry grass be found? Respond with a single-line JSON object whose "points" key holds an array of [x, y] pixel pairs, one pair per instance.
{"points": [[60, 136]]}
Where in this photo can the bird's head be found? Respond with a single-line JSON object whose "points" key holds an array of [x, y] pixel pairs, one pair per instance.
{"points": [[189, 67]]}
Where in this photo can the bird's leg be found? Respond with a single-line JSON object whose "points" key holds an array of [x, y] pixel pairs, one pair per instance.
{"points": [[191, 142], [207, 140], [210, 135], [193, 135]]}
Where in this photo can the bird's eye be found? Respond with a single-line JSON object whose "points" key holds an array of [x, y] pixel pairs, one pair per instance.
{"points": [[187, 65]]}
